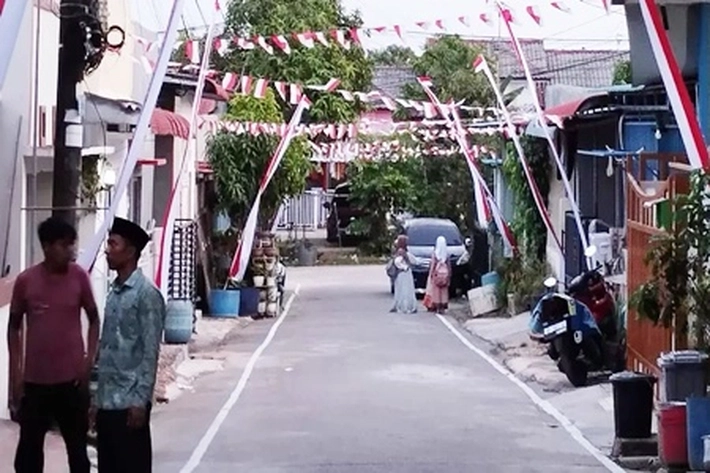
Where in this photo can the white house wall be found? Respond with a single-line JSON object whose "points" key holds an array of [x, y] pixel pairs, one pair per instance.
{"points": [[14, 104]]}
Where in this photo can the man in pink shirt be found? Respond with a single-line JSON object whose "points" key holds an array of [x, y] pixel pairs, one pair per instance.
{"points": [[49, 379]]}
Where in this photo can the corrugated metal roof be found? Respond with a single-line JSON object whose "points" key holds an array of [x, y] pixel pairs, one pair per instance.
{"points": [[583, 68], [391, 79]]}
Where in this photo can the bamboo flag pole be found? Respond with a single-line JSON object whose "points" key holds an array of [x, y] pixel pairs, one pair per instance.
{"points": [[481, 65], [168, 221]]}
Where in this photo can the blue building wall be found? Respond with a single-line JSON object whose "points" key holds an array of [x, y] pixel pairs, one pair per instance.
{"points": [[642, 134]]}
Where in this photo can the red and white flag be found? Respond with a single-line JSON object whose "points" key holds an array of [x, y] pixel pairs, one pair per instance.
{"points": [[243, 43], [440, 24], [229, 82], [306, 39], [281, 43], [534, 13], [678, 96], [221, 45], [261, 41], [320, 36], [560, 5], [339, 37], [295, 94], [246, 82], [281, 89], [192, 51], [464, 21], [260, 88]]}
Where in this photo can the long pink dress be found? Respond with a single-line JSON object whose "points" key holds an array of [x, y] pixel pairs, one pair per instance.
{"points": [[439, 294]]}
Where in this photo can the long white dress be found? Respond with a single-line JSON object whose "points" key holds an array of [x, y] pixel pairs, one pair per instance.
{"points": [[405, 299]]}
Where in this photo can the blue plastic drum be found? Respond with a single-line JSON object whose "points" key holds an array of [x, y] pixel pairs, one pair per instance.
{"points": [[224, 303], [178, 322]]}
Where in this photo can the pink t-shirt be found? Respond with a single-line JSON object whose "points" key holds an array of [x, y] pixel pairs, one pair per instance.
{"points": [[53, 302]]}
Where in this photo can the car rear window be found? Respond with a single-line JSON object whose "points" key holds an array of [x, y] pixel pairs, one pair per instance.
{"points": [[426, 235]]}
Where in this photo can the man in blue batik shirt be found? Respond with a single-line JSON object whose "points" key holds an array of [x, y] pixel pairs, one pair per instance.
{"points": [[128, 356]]}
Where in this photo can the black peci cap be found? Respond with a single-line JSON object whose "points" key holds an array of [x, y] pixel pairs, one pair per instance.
{"points": [[131, 232]]}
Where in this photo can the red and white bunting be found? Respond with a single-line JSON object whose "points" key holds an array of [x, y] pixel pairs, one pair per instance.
{"points": [[281, 43], [534, 13], [192, 51], [306, 39], [221, 46], [281, 89], [230, 81], [320, 36], [261, 41], [260, 88], [339, 37], [245, 83], [295, 94]]}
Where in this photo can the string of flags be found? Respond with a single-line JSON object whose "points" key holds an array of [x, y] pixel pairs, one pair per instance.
{"points": [[291, 93], [339, 131], [346, 38], [345, 152]]}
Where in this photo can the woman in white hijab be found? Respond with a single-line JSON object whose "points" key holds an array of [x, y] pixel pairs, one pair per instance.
{"points": [[437, 292]]}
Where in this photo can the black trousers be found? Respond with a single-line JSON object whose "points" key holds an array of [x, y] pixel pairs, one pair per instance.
{"points": [[68, 406], [122, 449]]}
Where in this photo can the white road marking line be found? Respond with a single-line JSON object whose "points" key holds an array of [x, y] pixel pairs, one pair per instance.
{"points": [[221, 416], [571, 429]]}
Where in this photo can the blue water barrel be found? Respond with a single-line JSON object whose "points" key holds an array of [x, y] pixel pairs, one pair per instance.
{"points": [[490, 279], [249, 301], [224, 303], [698, 415], [178, 321]]}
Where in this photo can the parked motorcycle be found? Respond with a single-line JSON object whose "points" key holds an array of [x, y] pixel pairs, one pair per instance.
{"points": [[579, 327]]}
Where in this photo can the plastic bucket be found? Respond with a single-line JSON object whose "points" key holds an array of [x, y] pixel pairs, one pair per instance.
{"points": [[698, 426], [490, 279], [633, 404], [178, 321], [249, 302], [672, 434], [224, 303]]}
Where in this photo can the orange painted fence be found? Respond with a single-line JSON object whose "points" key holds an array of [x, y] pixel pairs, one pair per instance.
{"points": [[645, 342]]}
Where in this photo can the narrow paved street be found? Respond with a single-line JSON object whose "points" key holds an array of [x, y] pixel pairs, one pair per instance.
{"points": [[345, 386]]}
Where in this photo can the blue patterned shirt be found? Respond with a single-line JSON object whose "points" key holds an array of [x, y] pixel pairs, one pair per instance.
{"points": [[130, 344]]}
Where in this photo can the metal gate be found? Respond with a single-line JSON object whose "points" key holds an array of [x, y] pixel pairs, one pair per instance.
{"points": [[181, 278], [305, 210]]}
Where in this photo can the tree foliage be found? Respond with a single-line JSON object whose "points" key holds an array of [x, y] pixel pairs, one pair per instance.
{"points": [[527, 224], [393, 55], [622, 72], [448, 62], [239, 161], [314, 66], [423, 185]]}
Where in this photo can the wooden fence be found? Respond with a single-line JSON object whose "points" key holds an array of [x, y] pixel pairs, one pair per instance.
{"points": [[645, 342]]}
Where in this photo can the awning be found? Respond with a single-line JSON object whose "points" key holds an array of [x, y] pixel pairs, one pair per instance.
{"points": [[558, 114], [168, 123]]}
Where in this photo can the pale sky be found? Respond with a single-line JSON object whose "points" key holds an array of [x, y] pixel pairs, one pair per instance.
{"points": [[586, 25]]}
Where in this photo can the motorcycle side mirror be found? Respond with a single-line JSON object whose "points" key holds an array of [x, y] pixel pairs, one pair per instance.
{"points": [[326, 205], [468, 242], [590, 251], [550, 282]]}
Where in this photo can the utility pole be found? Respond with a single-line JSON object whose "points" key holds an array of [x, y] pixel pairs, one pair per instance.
{"points": [[81, 45]]}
